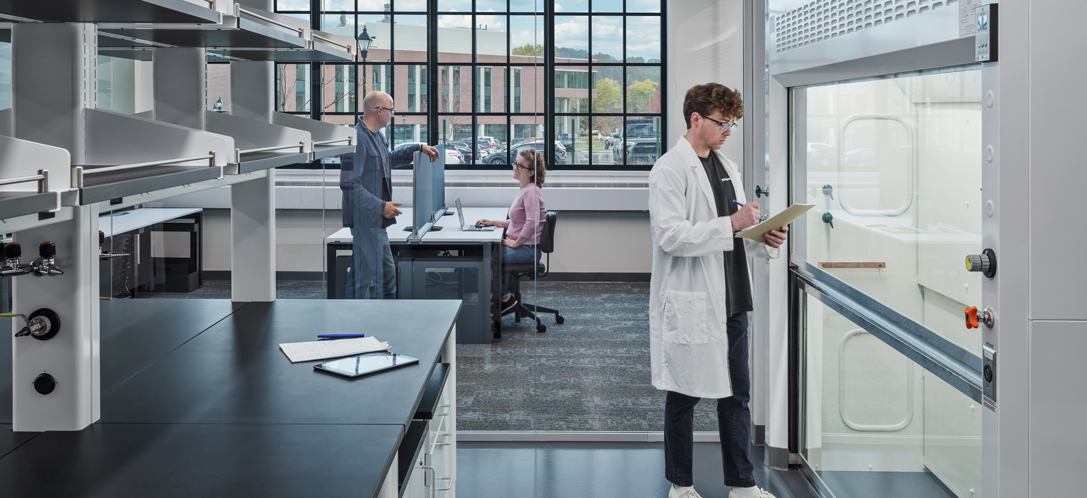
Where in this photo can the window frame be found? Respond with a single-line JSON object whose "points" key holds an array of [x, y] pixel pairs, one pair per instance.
{"points": [[512, 98]]}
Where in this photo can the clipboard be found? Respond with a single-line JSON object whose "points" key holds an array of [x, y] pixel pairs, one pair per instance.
{"points": [[775, 222]]}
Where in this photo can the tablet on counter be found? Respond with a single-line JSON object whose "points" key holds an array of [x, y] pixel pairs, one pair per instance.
{"points": [[365, 364]]}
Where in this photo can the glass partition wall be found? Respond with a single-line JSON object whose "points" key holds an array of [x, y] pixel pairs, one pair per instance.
{"points": [[889, 375]]}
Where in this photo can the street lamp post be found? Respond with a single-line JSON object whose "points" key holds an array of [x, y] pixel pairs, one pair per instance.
{"points": [[365, 41]]}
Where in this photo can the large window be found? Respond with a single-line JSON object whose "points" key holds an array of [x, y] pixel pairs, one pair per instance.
{"points": [[495, 88]]}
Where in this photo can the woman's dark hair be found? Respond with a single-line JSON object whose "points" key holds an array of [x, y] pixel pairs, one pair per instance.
{"points": [[536, 159]]}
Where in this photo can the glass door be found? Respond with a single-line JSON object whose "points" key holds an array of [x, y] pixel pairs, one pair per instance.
{"points": [[889, 373]]}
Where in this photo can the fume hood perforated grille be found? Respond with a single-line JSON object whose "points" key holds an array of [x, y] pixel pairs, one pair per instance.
{"points": [[822, 20]]}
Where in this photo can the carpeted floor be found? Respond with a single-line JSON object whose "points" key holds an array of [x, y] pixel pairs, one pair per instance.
{"points": [[589, 374]]}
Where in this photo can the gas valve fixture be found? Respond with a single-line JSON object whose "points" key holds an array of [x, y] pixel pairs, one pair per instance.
{"points": [[12, 268], [973, 317], [45, 265], [42, 324]]}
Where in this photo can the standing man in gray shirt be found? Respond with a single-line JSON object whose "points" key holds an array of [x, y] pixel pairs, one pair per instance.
{"points": [[368, 209]]}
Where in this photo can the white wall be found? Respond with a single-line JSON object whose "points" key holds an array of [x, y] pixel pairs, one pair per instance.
{"points": [[705, 44], [585, 241]]}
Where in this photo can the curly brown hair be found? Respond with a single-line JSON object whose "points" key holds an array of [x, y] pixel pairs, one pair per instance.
{"points": [[536, 158], [704, 99]]}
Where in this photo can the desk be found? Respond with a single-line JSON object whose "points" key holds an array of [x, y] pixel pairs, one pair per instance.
{"points": [[167, 257], [219, 410], [444, 264]]}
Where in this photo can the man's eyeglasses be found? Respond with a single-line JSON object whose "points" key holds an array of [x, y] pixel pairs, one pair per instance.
{"points": [[392, 110], [724, 126]]}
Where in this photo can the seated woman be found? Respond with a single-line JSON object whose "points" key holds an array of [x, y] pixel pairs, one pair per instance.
{"points": [[527, 217]]}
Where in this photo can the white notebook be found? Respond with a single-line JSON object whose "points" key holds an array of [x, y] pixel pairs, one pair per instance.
{"points": [[323, 350]]}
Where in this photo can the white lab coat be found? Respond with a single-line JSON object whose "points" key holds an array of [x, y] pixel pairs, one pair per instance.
{"points": [[688, 345]]}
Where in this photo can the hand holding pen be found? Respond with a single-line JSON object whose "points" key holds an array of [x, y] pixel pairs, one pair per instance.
{"points": [[746, 217]]}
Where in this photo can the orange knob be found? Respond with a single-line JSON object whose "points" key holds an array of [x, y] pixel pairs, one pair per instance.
{"points": [[972, 317]]}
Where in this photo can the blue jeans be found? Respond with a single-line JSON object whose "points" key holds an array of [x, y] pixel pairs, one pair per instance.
{"points": [[385, 275], [733, 420], [518, 255]]}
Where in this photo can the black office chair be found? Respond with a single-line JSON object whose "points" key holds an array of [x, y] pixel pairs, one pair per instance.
{"points": [[515, 272]]}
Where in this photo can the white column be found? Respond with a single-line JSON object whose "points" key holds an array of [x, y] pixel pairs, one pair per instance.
{"points": [[253, 240], [777, 338], [54, 69], [72, 356]]}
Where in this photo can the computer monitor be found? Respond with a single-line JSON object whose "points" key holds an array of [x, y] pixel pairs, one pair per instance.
{"points": [[438, 191], [422, 193]]}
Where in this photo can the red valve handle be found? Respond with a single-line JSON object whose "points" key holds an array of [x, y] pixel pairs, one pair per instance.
{"points": [[972, 317]]}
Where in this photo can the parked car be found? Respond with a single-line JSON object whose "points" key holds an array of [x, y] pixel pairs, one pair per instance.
{"points": [[488, 143], [642, 145], [566, 141], [613, 139], [464, 147], [560, 150], [820, 154], [499, 157]]}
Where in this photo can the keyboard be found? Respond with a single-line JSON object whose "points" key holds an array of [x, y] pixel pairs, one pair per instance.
{"points": [[473, 228]]}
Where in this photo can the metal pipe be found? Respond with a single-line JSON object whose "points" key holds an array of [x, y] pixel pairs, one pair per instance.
{"points": [[326, 142], [144, 165], [240, 10], [331, 42], [23, 179], [266, 149]]}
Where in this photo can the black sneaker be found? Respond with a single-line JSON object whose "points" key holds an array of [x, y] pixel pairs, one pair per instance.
{"points": [[509, 305]]}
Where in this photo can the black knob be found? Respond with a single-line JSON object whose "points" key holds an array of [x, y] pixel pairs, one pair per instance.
{"points": [[47, 249], [988, 374], [12, 250], [45, 384]]}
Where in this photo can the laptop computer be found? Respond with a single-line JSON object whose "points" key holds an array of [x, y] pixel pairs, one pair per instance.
{"points": [[469, 227]]}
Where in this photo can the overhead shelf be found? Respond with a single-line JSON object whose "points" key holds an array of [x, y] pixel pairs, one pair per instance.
{"points": [[121, 11], [32, 177], [249, 34], [260, 145], [131, 155], [329, 139]]}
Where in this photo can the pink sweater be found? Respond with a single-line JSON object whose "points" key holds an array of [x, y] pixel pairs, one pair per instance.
{"points": [[527, 215]]}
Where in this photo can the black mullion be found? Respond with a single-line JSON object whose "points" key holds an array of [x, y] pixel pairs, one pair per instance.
{"points": [[664, 79], [549, 85], [433, 89], [509, 60], [475, 61], [592, 83], [623, 85]]}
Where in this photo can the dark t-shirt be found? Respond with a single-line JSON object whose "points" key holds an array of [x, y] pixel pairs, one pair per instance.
{"points": [[738, 297]]}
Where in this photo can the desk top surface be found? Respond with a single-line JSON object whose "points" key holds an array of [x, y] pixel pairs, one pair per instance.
{"points": [[127, 221], [234, 372], [449, 233], [182, 460]]}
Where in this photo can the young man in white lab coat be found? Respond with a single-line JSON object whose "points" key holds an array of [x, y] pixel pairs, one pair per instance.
{"points": [[700, 290]]}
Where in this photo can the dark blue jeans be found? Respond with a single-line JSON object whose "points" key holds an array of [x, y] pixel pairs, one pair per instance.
{"points": [[733, 420], [517, 255]]}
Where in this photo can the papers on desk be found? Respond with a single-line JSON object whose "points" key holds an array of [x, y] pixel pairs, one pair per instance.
{"points": [[322, 350]]}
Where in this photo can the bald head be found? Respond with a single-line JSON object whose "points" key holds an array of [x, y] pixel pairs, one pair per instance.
{"points": [[376, 99], [377, 110]]}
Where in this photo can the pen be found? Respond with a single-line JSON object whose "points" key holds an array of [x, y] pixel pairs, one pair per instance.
{"points": [[738, 203], [340, 336]]}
